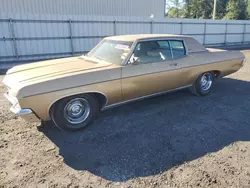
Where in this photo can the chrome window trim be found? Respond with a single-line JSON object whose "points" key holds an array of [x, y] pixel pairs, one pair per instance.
{"points": [[184, 47], [125, 62], [171, 50]]}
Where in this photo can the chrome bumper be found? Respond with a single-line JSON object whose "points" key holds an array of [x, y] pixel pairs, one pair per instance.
{"points": [[26, 114]]}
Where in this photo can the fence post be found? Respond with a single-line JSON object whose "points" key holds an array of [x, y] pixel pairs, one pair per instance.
{"points": [[151, 27], [244, 32], [114, 27], [181, 28], [71, 37], [13, 36], [225, 41], [205, 33]]}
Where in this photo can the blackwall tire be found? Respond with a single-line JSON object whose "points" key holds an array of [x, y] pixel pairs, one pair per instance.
{"points": [[203, 85], [74, 113]]}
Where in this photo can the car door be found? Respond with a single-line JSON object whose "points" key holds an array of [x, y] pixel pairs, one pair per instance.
{"points": [[153, 68]]}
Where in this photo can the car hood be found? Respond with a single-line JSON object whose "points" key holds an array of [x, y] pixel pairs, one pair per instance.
{"points": [[47, 71], [52, 68]]}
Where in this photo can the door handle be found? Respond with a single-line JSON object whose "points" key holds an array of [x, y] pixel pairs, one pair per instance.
{"points": [[173, 64]]}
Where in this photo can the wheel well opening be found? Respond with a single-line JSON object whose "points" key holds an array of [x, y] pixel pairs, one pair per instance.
{"points": [[102, 100], [216, 73]]}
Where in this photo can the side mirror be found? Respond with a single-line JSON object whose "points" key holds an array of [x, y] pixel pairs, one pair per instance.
{"points": [[134, 60]]}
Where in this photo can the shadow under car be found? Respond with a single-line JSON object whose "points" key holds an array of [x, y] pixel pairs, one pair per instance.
{"points": [[150, 136]]}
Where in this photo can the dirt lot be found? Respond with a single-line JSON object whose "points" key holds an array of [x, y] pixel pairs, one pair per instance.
{"points": [[175, 140]]}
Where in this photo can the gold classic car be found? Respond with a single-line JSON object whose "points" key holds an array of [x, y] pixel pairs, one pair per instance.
{"points": [[120, 69]]}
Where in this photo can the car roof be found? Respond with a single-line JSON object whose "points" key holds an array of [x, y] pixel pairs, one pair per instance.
{"points": [[133, 38]]}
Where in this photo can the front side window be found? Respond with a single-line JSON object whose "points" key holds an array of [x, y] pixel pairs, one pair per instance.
{"points": [[111, 51], [151, 51]]}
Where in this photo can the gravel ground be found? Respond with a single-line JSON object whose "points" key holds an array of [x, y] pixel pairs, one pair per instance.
{"points": [[175, 140]]}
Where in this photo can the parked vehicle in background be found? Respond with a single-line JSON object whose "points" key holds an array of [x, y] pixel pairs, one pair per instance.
{"points": [[120, 69]]}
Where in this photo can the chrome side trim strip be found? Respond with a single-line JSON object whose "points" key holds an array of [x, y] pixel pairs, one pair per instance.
{"points": [[195, 52], [144, 97]]}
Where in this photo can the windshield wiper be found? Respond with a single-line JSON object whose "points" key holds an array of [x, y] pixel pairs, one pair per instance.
{"points": [[97, 58], [90, 57]]}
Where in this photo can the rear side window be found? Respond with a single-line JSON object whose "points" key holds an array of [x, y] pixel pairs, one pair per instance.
{"points": [[178, 49]]}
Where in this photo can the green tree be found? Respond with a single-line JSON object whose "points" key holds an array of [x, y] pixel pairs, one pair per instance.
{"points": [[173, 13], [175, 9], [226, 9], [236, 10], [248, 9], [221, 9], [199, 9]]}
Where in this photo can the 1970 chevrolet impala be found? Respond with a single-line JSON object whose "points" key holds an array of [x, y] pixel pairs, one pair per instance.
{"points": [[120, 69]]}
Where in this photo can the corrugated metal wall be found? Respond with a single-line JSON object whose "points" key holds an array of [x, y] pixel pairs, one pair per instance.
{"points": [[25, 39], [143, 8]]}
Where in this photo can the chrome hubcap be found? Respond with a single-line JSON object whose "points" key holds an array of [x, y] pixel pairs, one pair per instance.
{"points": [[206, 81], [77, 110]]}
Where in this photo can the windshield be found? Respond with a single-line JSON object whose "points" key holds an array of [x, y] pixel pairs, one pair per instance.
{"points": [[111, 51]]}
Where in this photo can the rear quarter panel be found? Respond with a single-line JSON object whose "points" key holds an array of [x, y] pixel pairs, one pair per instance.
{"points": [[225, 62]]}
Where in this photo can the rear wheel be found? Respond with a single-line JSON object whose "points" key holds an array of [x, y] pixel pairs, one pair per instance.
{"points": [[74, 113], [203, 84]]}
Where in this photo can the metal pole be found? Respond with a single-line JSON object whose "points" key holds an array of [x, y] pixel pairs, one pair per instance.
{"points": [[12, 30], [181, 28], [205, 32], [115, 27], [214, 11], [244, 31], [151, 27], [71, 37], [225, 41]]}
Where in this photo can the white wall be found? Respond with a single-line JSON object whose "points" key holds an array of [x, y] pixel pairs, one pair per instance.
{"points": [[142, 8], [48, 39]]}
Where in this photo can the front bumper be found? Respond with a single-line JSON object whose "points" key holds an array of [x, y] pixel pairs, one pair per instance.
{"points": [[26, 114]]}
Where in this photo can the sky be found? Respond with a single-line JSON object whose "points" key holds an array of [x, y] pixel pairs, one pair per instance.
{"points": [[171, 3]]}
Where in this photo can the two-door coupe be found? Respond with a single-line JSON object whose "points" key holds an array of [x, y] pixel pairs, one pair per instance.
{"points": [[71, 91]]}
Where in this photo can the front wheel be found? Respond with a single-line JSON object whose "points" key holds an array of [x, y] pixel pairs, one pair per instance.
{"points": [[74, 113], [203, 84]]}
